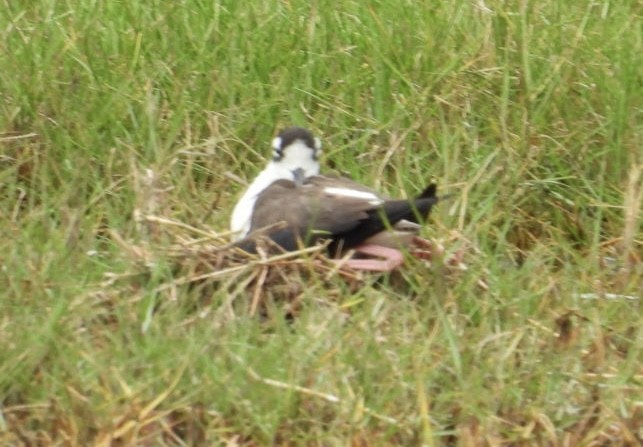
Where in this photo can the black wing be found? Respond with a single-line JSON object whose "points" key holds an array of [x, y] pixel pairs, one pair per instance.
{"points": [[295, 214]]}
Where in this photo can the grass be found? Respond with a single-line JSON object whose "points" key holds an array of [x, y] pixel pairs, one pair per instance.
{"points": [[118, 118]]}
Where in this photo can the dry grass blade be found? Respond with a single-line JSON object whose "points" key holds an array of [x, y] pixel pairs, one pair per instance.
{"points": [[632, 221], [307, 391]]}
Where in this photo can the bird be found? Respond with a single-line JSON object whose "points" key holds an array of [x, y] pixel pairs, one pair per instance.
{"points": [[295, 150], [292, 205]]}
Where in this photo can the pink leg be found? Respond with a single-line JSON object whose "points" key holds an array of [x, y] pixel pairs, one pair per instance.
{"points": [[390, 259]]}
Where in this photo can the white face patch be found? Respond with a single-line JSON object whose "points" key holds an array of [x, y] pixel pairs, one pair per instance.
{"points": [[354, 194], [299, 156]]}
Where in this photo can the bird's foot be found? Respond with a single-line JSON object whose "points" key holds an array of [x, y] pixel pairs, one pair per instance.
{"points": [[430, 250]]}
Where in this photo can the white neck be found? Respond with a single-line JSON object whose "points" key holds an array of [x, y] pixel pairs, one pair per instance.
{"points": [[276, 170]]}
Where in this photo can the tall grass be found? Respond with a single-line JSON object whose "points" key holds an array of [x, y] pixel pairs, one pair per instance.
{"points": [[528, 112]]}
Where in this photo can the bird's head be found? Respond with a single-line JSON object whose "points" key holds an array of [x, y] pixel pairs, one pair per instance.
{"points": [[296, 148]]}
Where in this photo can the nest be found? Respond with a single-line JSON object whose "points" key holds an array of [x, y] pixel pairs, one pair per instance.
{"points": [[204, 260]]}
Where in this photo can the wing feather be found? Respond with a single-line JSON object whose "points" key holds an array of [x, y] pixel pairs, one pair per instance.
{"points": [[308, 211]]}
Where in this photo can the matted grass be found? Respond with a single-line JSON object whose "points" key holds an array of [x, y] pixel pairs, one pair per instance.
{"points": [[128, 130]]}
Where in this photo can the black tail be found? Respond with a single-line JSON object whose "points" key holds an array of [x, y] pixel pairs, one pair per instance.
{"points": [[429, 192], [386, 216]]}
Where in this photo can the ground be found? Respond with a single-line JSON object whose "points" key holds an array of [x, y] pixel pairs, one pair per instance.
{"points": [[129, 129]]}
